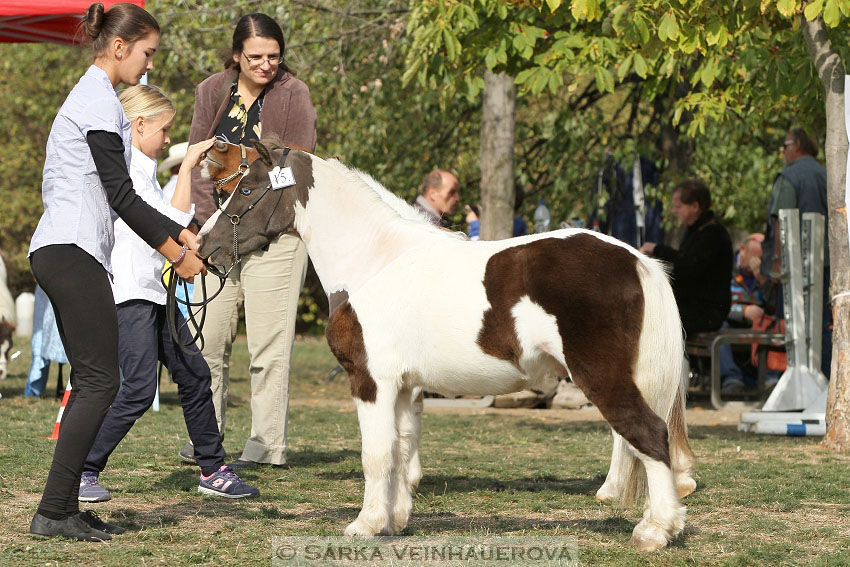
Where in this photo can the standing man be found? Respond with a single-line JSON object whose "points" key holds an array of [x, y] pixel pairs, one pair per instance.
{"points": [[439, 196], [801, 185]]}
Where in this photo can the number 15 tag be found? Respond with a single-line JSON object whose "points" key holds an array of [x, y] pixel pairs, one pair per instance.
{"points": [[281, 177]]}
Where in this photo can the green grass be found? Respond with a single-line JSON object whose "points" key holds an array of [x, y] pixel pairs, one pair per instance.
{"points": [[760, 501]]}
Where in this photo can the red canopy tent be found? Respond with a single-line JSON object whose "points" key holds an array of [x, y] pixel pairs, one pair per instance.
{"points": [[51, 21]]}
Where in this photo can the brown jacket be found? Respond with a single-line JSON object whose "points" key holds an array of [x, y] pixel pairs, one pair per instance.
{"points": [[287, 112]]}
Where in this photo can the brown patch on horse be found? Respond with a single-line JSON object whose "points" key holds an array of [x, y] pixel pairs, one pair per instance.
{"points": [[345, 339], [592, 289], [223, 164]]}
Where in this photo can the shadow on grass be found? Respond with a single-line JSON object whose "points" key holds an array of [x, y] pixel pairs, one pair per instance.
{"points": [[421, 525], [457, 483], [308, 457], [425, 524], [182, 513]]}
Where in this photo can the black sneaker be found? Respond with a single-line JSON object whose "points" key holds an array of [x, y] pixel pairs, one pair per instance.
{"points": [[93, 520], [187, 454], [72, 527]]}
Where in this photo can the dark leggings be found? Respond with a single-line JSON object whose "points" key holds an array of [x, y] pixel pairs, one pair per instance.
{"points": [[79, 290]]}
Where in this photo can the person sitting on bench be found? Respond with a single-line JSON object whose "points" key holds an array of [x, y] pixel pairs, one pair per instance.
{"points": [[702, 266]]}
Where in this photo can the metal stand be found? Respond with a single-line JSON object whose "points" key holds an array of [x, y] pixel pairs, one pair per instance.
{"points": [[803, 385]]}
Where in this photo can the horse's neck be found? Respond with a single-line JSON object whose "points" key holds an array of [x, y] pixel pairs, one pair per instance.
{"points": [[351, 234]]}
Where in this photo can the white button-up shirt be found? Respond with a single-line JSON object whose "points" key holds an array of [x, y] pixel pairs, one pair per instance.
{"points": [[76, 210], [137, 266]]}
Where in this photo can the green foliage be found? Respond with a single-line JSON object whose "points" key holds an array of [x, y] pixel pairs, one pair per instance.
{"points": [[397, 89]]}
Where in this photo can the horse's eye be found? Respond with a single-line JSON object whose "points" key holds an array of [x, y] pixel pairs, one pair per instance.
{"points": [[220, 146], [245, 192]]}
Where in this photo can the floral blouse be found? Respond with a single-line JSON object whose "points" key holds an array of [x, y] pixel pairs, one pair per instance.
{"points": [[240, 125]]}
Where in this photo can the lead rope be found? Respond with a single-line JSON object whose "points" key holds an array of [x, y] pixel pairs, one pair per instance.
{"points": [[171, 301]]}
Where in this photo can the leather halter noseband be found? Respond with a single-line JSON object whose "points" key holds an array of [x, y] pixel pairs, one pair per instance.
{"points": [[235, 219]]}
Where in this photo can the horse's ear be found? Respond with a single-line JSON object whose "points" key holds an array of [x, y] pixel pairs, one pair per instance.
{"points": [[263, 152]]}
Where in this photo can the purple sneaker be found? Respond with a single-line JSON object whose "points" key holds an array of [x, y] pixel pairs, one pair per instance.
{"points": [[224, 482], [90, 490]]}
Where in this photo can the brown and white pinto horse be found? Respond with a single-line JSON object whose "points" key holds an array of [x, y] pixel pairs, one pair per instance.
{"points": [[415, 307]]}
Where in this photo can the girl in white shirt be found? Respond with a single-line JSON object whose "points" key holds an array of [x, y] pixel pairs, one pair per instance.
{"points": [[144, 337]]}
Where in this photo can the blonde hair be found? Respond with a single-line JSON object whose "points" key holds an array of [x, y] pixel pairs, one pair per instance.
{"points": [[146, 101]]}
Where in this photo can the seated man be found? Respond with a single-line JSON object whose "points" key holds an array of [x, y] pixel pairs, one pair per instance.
{"points": [[748, 306], [702, 266]]}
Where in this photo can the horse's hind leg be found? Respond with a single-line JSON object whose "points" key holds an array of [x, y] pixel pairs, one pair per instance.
{"points": [[645, 434], [379, 455], [414, 468], [612, 488], [408, 421]]}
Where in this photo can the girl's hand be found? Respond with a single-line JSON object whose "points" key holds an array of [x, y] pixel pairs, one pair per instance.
{"points": [[190, 266], [195, 153], [188, 239]]}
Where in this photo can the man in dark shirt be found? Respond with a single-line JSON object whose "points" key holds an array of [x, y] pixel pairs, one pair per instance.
{"points": [[702, 266]]}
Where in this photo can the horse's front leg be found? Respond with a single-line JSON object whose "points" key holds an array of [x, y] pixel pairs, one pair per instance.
{"points": [[379, 455], [414, 468]]}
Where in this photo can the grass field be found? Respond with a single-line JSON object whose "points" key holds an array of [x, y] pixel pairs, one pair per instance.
{"points": [[760, 500]]}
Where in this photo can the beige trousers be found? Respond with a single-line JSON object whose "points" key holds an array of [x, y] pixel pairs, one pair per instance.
{"points": [[269, 282]]}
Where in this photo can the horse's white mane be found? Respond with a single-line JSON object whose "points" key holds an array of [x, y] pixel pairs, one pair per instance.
{"points": [[383, 195]]}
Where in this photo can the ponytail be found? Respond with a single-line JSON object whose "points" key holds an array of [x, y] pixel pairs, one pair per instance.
{"points": [[127, 21]]}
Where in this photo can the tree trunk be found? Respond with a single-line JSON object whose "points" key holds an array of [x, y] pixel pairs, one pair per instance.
{"points": [[830, 68], [496, 157]]}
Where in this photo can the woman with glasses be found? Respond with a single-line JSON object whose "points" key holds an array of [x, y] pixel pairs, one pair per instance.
{"points": [[255, 95]]}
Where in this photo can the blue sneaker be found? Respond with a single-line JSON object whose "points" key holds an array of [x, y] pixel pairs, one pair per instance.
{"points": [[91, 490], [224, 482]]}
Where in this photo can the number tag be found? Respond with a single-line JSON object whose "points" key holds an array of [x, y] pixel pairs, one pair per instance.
{"points": [[281, 178]]}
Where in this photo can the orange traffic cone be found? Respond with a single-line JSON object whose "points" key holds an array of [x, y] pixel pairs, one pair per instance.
{"points": [[55, 434]]}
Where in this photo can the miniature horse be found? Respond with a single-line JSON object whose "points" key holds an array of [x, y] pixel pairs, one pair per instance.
{"points": [[6, 331], [414, 306], [7, 319]]}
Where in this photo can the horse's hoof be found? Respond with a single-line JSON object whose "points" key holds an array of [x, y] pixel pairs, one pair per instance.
{"points": [[647, 545], [606, 494], [685, 486], [358, 528]]}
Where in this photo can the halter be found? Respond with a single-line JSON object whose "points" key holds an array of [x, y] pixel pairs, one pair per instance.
{"points": [[240, 171], [171, 287]]}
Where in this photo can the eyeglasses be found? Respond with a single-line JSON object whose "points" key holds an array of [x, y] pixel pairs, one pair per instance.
{"points": [[787, 143], [255, 61]]}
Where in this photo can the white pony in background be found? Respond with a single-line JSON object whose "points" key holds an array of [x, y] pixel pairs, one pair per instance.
{"points": [[7, 319], [413, 306]]}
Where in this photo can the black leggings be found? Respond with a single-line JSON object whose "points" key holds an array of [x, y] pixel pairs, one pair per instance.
{"points": [[79, 290]]}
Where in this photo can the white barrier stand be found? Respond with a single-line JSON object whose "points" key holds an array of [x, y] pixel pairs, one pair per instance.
{"points": [[797, 405]]}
